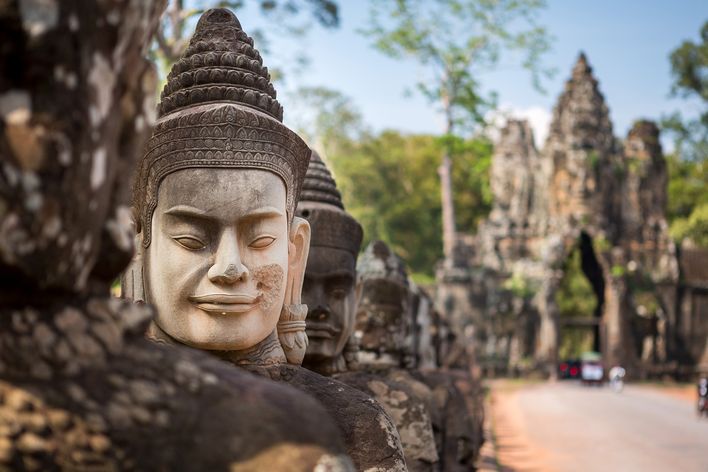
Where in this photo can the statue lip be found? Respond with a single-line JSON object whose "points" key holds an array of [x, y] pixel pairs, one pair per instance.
{"points": [[224, 303], [321, 330]]}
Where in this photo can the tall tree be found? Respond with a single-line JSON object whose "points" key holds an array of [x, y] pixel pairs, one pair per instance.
{"points": [[456, 40], [288, 17]]}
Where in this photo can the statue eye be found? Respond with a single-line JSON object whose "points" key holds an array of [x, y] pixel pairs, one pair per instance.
{"points": [[262, 242], [189, 242], [338, 293]]}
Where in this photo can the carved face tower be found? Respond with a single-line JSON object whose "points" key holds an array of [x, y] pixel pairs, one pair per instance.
{"points": [[384, 319], [329, 289], [215, 198]]}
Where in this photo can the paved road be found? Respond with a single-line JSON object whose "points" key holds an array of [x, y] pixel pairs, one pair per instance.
{"points": [[568, 427]]}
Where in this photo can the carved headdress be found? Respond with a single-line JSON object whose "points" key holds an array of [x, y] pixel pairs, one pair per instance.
{"points": [[321, 204], [218, 109]]}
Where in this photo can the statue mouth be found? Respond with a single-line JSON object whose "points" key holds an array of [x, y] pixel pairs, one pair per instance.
{"points": [[224, 304], [320, 330]]}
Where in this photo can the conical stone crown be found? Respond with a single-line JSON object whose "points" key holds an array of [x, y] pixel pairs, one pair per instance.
{"points": [[319, 185], [321, 205], [220, 64]]}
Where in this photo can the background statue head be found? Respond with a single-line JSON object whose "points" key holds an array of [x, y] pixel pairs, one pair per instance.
{"points": [[384, 318], [214, 200], [329, 289]]}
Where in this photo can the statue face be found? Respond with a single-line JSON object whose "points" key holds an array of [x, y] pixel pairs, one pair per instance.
{"points": [[382, 317], [329, 290], [217, 265]]}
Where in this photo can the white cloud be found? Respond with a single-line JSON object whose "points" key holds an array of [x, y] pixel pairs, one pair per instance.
{"points": [[537, 116]]}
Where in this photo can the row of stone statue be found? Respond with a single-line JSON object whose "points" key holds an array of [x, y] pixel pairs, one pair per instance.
{"points": [[246, 263]]}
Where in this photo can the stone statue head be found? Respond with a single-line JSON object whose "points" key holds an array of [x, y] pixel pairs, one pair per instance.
{"points": [[223, 255], [329, 289], [384, 321]]}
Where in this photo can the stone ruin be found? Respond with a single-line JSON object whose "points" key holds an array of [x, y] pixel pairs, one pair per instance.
{"points": [[588, 191]]}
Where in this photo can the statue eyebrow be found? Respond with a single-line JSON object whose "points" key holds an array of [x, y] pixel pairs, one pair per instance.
{"points": [[262, 213], [188, 211]]}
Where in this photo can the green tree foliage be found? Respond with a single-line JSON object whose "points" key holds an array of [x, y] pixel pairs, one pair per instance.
{"points": [[576, 299], [688, 176], [285, 17], [389, 184], [687, 208]]}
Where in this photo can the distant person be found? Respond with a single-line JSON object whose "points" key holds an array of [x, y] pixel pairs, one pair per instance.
{"points": [[703, 396], [617, 374]]}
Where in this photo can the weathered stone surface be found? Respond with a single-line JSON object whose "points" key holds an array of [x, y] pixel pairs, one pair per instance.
{"points": [[385, 325], [80, 387], [329, 290], [442, 363], [408, 402], [458, 430], [130, 409], [372, 440]]}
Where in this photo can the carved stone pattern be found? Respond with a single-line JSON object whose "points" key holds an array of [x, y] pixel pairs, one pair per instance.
{"points": [[216, 59], [319, 186], [221, 93], [245, 79]]}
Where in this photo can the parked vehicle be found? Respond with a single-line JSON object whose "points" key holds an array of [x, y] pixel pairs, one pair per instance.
{"points": [[569, 369], [591, 370]]}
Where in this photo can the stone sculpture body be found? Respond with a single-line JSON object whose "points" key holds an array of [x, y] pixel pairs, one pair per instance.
{"points": [[80, 386], [383, 327], [223, 255], [457, 414], [330, 291]]}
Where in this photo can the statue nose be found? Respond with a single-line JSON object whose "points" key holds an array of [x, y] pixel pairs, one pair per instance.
{"points": [[227, 267], [231, 274], [320, 313]]}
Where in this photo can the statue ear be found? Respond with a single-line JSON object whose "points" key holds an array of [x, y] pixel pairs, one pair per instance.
{"points": [[298, 250]]}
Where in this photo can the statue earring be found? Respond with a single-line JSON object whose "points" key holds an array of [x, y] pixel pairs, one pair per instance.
{"points": [[291, 332]]}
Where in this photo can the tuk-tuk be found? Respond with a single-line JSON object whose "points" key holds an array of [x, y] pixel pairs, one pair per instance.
{"points": [[591, 370]]}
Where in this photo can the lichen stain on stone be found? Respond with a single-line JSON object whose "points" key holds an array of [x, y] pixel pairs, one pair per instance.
{"points": [[39, 16], [98, 168], [120, 228], [102, 80], [73, 23], [391, 433], [270, 282], [24, 139], [113, 17]]}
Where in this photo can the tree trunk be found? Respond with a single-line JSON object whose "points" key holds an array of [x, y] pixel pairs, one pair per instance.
{"points": [[448, 209]]}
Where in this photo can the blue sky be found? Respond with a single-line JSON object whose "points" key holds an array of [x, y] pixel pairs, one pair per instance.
{"points": [[627, 43]]}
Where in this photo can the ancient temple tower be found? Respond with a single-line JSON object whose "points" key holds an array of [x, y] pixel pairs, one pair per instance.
{"points": [[581, 155], [585, 191]]}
